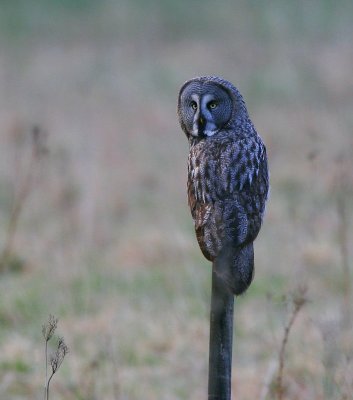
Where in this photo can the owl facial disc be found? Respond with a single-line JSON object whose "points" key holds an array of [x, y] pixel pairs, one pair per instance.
{"points": [[203, 124]]}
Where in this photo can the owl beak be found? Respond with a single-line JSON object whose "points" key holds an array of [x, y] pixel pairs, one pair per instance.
{"points": [[201, 123]]}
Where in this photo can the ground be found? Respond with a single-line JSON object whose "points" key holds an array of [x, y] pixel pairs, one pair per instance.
{"points": [[104, 240]]}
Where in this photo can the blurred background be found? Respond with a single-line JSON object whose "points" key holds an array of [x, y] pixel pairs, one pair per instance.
{"points": [[95, 226]]}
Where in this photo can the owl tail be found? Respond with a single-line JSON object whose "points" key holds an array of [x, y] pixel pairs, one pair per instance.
{"points": [[235, 267]]}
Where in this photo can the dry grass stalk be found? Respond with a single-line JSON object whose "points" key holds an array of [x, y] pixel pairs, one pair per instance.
{"points": [[344, 191], [37, 151], [298, 301], [48, 330], [57, 357], [343, 243]]}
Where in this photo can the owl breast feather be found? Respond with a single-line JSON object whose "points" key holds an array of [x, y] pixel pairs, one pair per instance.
{"points": [[220, 170], [224, 186]]}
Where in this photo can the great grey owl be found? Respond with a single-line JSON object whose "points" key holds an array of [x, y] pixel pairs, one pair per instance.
{"points": [[228, 178]]}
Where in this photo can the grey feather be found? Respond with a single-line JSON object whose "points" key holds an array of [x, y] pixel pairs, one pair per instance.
{"points": [[228, 178]]}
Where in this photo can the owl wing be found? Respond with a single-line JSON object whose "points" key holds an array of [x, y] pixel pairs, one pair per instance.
{"points": [[204, 215], [242, 198], [243, 189]]}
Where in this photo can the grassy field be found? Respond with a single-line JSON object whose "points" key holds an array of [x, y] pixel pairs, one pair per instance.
{"points": [[103, 238]]}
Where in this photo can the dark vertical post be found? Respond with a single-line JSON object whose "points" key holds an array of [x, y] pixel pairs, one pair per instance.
{"points": [[221, 335]]}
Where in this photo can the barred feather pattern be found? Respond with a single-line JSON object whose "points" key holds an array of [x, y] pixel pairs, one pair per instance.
{"points": [[227, 188]]}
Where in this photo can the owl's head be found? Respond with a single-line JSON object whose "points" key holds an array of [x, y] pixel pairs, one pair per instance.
{"points": [[208, 104]]}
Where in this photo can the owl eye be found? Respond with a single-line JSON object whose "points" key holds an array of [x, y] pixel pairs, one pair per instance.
{"points": [[212, 105], [193, 105]]}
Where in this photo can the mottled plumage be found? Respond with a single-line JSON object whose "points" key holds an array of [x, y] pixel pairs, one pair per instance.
{"points": [[227, 176]]}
